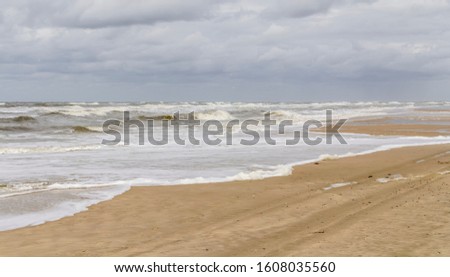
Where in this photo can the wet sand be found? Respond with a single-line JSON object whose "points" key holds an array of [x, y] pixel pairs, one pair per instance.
{"points": [[398, 126], [399, 130]]}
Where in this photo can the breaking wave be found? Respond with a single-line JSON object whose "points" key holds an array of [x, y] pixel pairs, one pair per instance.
{"points": [[213, 115], [82, 129], [18, 119], [50, 149]]}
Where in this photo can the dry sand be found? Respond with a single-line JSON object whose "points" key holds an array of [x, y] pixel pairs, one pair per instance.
{"points": [[406, 215]]}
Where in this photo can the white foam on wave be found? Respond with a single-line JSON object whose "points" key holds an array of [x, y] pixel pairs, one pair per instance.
{"points": [[49, 149], [22, 188], [82, 111], [273, 171], [257, 174], [213, 115], [222, 110], [328, 157], [290, 115], [85, 103]]}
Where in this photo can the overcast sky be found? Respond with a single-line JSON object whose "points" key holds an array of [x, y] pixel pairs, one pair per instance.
{"points": [[237, 50]]}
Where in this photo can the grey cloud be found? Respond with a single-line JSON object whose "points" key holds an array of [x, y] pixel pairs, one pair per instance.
{"points": [[301, 8], [109, 13], [210, 46], [304, 8], [115, 13]]}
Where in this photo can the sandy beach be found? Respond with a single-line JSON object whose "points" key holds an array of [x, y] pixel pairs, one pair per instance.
{"points": [[390, 203]]}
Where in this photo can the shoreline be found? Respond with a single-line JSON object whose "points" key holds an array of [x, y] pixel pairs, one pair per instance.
{"points": [[288, 166], [208, 216]]}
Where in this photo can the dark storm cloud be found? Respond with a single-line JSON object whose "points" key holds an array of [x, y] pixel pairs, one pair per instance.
{"points": [[109, 13], [224, 48]]}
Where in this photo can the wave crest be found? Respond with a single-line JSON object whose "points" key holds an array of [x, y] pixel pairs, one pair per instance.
{"points": [[19, 119], [51, 149], [82, 129], [213, 115]]}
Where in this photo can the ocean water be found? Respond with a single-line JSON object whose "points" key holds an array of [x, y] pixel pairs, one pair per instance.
{"points": [[52, 162]]}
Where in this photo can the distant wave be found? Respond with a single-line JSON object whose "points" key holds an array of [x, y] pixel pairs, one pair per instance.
{"points": [[84, 103], [286, 114], [15, 129], [156, 117], [23, 118], [54, 114], [200, 115], [49, 149], [207, 110], [80, 111], [19, 119], [213, 115], [50, 104], [43, 104]]}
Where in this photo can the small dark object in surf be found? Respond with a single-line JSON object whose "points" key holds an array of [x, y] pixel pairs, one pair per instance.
{"points": [[81, 129]]}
